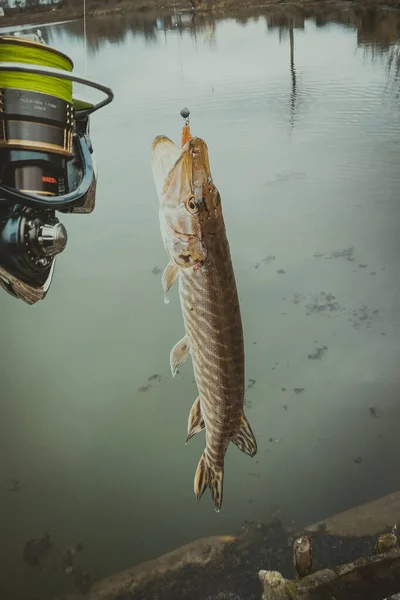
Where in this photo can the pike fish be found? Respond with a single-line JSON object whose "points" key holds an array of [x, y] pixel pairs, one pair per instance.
{"points": [[194, 237]]}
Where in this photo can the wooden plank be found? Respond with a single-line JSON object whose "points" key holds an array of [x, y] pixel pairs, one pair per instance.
{"points": [[373, 578], [368, 519]]}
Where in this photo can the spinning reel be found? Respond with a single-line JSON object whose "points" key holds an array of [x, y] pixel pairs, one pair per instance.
{"points": [[46, 161]]}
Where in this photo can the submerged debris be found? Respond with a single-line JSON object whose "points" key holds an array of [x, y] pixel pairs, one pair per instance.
{"points": [[251, 383], [144, 388], [15, 487], [155, 377], [318, 352], [69, 557], [322, 303], [362, 317], [345, 253], [152, 379], [297, 298], [37, 550], [83, 581], [265, 261]]}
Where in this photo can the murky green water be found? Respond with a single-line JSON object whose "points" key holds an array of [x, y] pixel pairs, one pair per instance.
{"points": [[302, 121]]}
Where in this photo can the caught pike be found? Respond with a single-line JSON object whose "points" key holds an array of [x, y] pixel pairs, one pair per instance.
{"points": [[193, 233]]}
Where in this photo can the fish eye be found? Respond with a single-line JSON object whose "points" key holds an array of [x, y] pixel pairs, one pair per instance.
{"points": [[191, 205]]}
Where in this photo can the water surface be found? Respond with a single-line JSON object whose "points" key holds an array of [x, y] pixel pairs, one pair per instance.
{"points": [[300, 114]]}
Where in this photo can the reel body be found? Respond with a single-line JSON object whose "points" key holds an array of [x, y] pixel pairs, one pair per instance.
{"points": [[46, 162]]}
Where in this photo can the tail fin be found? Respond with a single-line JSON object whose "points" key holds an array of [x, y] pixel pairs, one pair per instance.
{"points": [[209, 475]]}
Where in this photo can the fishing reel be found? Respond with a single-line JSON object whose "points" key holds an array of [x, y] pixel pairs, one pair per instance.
{"points": [[46, 161]]}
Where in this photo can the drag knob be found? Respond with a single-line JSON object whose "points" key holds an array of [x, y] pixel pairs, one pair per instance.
{"points": [[52, 238]]}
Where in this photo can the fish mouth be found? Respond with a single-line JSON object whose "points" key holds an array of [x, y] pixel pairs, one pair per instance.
{"points": [[191, 160]]}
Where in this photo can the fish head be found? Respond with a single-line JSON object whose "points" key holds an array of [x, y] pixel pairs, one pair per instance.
{"points": [[190, 204]]}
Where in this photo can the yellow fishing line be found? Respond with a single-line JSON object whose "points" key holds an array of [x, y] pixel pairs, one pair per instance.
{"points": [[82, 104], [25, 51]]}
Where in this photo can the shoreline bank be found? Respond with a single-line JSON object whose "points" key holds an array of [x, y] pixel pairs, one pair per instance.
{"points": [[144, 7]]}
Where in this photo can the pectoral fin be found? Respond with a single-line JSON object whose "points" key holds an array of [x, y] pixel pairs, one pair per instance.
{"points": [[196, 421], [168, 278], [179, 354], [244, 439]]}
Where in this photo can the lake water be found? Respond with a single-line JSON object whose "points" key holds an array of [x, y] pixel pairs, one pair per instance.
{"points": [[301, 116]]}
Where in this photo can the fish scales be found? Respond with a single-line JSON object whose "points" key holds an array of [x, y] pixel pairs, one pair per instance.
{"points": [[194, 236], [213, 326]]}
